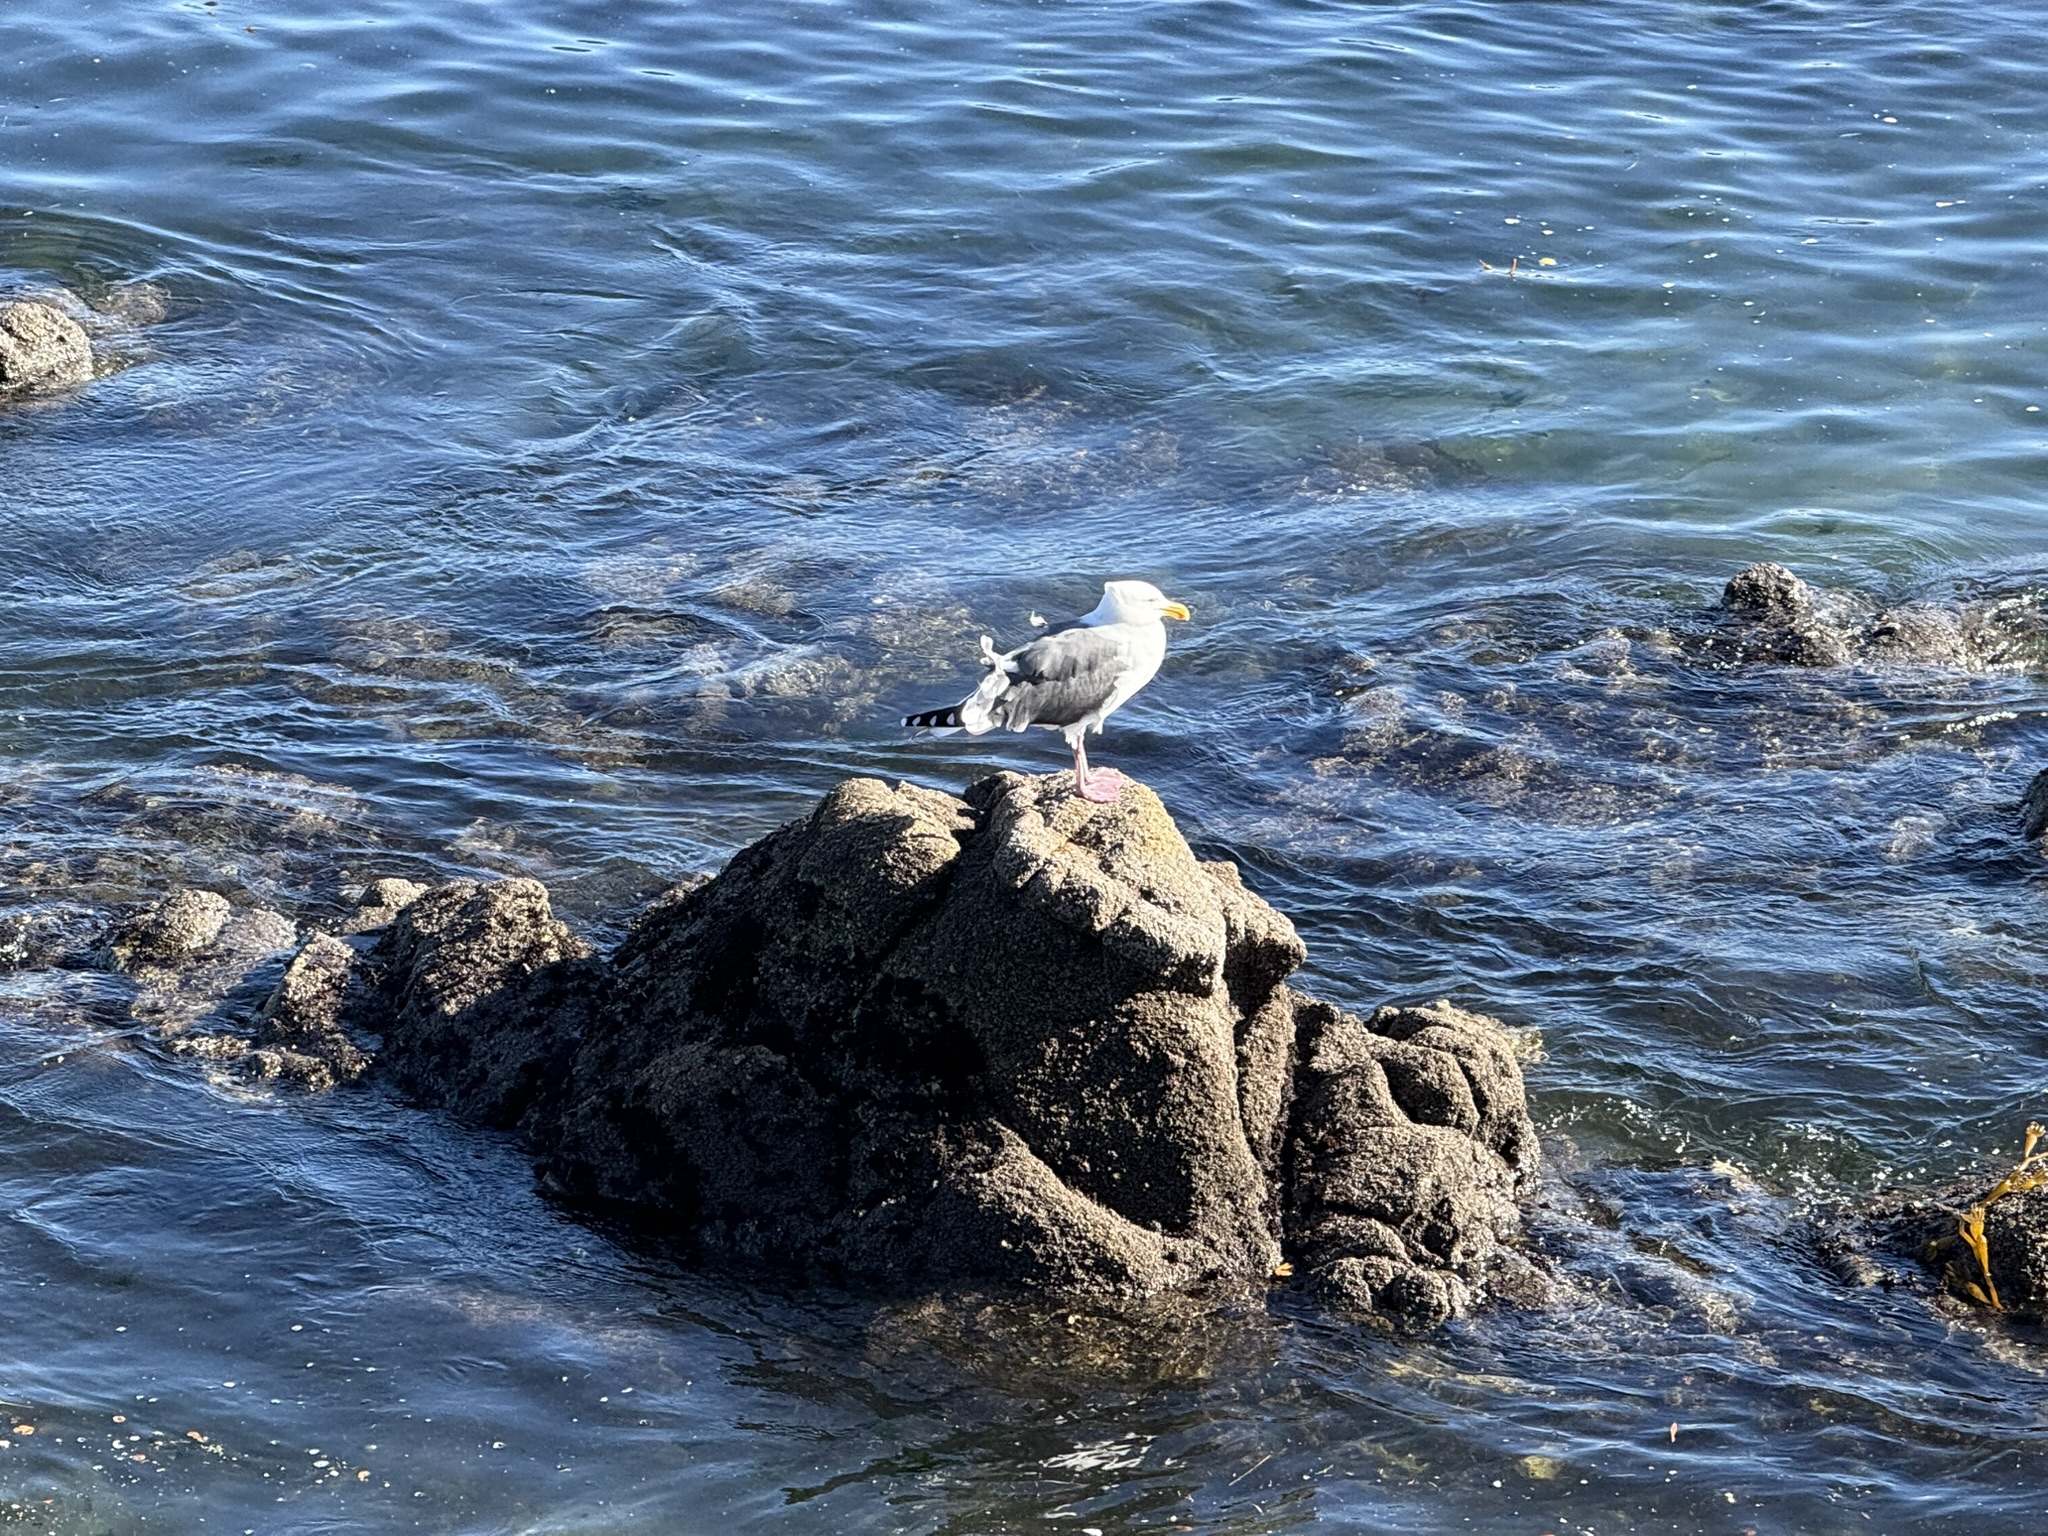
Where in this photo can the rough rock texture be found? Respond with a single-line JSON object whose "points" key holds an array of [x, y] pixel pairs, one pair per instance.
{"points": [[1897, 1236], [1014, 1037], [176, 928], [1411, 1144], [1769, 615], [382, 901], [304, 1031], [193, 957], [311, 1019], [41, 348], [1779, 618], [2016, 1237], [42, 937], [485, 991]]}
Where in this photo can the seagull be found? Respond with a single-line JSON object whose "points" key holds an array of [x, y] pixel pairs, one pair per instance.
{"points": [[1070, 679]]}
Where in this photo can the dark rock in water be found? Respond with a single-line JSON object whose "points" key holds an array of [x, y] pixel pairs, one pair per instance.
{"points": [[1781, 619], [132, 304], [1411, 1143], [1939, 1236], [1767, 590], [41, 348], [313, 1027], [1919, 633], [904, 1039], [179, 927], [303, 1032], [2034, 807], [1012, 1038], [1767, 614], [486, 994], [2016, 1237], [45, 937]]}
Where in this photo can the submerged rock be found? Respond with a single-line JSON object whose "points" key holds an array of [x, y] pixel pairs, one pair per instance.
{"points": [[43, 937], [194, 956], [52, 340], [1985, 1245], [41, 349], [1767, 614], [1015, 1037], [317, 1024]]}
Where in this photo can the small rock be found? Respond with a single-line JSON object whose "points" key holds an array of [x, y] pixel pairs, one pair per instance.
{"points": [[392, 892], [1411, 1142], [253, 933], [382, 901], [182, 925], [41, 348], [486, 995], [134, 303], [1767, 589], [1780, 619], [304, 1025], [1923, 1231], [2016, 1237]]}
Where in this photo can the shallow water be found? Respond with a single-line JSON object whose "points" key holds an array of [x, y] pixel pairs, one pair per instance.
{"points": [[580, 431]]}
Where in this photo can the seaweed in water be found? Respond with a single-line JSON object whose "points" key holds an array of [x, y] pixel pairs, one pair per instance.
{"points": [[2030, 1174]]}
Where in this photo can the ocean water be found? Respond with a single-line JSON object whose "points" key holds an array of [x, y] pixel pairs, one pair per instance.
{"points": [[578, 432]]}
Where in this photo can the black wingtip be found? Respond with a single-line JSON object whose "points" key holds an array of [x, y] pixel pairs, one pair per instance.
{"points": [[935, 719]]}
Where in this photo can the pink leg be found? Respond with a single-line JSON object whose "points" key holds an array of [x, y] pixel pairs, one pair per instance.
{"points": [[1103, 786]]}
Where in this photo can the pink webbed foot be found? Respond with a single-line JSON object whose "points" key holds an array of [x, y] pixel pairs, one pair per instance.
{"points": [[1102, 786]]}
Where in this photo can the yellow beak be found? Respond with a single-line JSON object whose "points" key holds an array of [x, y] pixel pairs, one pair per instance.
{"points": [[1175, 611]]}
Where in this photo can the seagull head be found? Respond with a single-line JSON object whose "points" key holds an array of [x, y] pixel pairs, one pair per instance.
{"points": [[1125, 602]]}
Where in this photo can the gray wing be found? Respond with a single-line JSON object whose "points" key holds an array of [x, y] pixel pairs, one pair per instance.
{"points": [[1062, 677]]}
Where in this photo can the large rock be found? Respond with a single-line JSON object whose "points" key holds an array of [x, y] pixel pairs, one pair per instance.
{"points": [[41, 348], [1016, 1037]]}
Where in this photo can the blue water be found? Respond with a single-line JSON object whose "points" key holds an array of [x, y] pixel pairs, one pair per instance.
{"points": [[578, 434]]}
